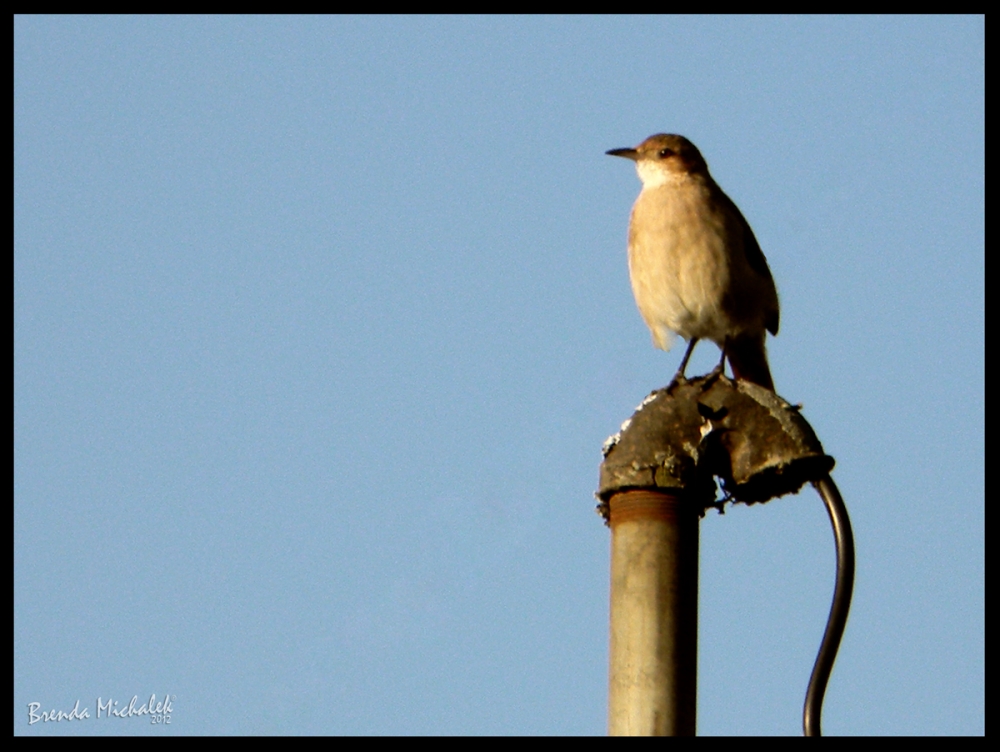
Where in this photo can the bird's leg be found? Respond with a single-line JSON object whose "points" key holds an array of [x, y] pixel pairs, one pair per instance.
{"points": [[716, 372], [679, 376]]}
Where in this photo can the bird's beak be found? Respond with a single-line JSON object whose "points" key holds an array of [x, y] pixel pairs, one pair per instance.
{"points": [[627, 153]]}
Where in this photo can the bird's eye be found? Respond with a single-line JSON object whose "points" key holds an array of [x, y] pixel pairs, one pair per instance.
{"points": [[664, 153]]}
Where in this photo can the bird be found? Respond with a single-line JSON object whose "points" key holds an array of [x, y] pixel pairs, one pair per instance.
{"points": [[696, 268]]}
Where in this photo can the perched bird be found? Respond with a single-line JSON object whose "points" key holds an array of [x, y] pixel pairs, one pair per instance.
{"points": [[695, 265]]}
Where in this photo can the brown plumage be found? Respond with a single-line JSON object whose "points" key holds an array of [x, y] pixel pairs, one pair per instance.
{"points": [[695, 265]]}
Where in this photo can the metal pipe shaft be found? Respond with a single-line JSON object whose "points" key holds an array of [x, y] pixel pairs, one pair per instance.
{"points": [[654, 615], [844, 537]]}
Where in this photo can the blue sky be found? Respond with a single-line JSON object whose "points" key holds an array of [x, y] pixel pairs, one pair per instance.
{"points": [[320, 323]]}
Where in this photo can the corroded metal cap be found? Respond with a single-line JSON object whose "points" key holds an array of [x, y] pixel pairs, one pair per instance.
{"points": [[758, 445]]}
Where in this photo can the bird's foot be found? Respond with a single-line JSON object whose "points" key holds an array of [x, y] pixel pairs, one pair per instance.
{"points": [[679, 376], [712, 376], [678, 379]]}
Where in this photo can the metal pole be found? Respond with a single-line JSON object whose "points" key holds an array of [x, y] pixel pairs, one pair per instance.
{"points": [[844, 537], [654, 614]]}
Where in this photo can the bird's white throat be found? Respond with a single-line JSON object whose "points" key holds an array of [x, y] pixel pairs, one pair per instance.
{"points": [[654, 174]]}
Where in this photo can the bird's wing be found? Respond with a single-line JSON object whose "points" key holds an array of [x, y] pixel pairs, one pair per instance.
{"points": [[755, 258]]}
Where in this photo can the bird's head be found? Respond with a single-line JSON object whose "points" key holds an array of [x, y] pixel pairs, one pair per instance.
{"points": [[664, 158]]}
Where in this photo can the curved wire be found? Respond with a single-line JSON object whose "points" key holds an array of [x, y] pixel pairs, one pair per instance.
{"points": [[813, 709]]}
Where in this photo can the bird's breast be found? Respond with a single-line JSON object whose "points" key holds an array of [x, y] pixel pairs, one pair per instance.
{"points": [[679, 262]]}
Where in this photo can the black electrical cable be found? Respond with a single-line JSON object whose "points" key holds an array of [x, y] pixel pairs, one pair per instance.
{"points": [[813, 710]]}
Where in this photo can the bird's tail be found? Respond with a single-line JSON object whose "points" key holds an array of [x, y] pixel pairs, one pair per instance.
{"points": [[748, 359]]}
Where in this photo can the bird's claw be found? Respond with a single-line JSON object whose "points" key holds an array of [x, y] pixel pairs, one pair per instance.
{"points": [[712, 376]]}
